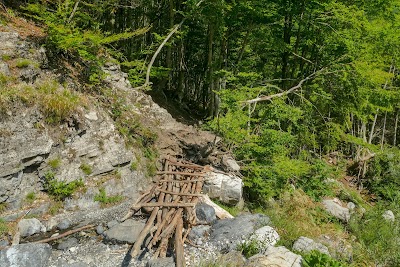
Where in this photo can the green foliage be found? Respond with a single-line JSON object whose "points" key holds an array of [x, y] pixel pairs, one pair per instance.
{"points": [[377, 238], [60, 190], [104, 199], [249, 248], [55, 207], [54, 163], [318, 259], [54, 101], [30, 197], [3, 227], [24, 63], [86, 168], [384, 175], [134, 165]]}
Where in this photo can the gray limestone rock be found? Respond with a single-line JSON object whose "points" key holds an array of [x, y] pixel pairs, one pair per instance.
{"points": [[126, 232], [275, 256], [205, 213], [28, 227], [64, 224], [230, 164], [99, 229], [199, 231], [228, 233], [26, 255], [304, 244], [226, 188], [68, 243], [4, 69], [165, 262], [334, 207]]}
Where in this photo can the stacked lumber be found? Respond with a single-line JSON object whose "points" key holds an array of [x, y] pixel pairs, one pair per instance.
{"points": [[170, 202]]}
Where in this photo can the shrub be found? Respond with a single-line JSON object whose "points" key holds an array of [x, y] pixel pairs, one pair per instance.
{"points": [[249, 248], [104, 199], [60, 190], [318, 259]]}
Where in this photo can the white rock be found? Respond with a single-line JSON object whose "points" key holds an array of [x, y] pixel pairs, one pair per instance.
{"points": [[266, 236], [226, 188], [334, 207], [91, 116], [388, 216], [304, 244], [275, 257], [28, 227], [230, 164], [351, 206]]}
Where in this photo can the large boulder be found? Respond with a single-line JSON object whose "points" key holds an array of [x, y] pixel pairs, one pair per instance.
{"points": [[26, 255], [336, 209], [305, 244], [226, 188], [28, 227], [126, 232], [275, 257], [228, 233]]}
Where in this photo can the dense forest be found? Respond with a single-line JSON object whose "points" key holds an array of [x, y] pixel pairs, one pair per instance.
{"points": [[301, 90]]}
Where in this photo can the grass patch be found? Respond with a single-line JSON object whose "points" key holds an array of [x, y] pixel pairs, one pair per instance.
{"points": [[3, 227], [296, 214], [3, 207], [54, 101], [249, 248], [54, 163], [24, 63], [106, 200], [30, 197], [6, 57], [86, 168], [60, 190], [134, 166], [378, 239], [233, 210], [55, 207]]}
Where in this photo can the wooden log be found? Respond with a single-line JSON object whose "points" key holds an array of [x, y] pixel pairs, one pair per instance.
{"points": [[70, 232], [186, 165], [136, 247], [164, 204], [182, 173], [183, 181], [179, 251], [180, 194]]}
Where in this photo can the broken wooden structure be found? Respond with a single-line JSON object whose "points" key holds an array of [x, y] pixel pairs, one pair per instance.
{"points": [[170, 202]]}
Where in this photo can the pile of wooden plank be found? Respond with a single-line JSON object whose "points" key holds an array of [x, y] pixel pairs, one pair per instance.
{"points": [[170, 202]]}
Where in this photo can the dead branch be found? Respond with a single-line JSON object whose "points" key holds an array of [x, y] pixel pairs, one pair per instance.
{"points": [[70, 232], [294, 88]]}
